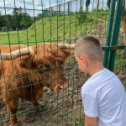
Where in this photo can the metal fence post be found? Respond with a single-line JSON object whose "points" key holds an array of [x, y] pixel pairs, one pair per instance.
{"points": [[109, 33], [113, 32]]}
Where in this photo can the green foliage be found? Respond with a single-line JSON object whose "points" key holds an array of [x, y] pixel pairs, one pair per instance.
{"points": [[18, 20], [21, 19], [25, 21], [79, 122], [81, 16], [2, 23], [39, 16]]}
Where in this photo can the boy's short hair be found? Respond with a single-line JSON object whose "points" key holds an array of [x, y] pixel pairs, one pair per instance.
{"points": [[89, 46]]}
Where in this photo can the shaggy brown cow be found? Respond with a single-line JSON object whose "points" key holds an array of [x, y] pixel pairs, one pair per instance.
{"points": [[25, 76]]}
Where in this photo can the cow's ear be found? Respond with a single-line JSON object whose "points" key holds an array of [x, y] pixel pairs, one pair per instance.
{"points": [[27, 62], [63, 54], [66, 53]]}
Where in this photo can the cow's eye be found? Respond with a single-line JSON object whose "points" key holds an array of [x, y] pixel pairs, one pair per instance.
{"points": [[62, 62], [47, 65], [40, 66]]}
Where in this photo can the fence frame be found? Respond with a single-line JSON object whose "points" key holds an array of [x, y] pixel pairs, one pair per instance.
{"points": [[116, 11]]}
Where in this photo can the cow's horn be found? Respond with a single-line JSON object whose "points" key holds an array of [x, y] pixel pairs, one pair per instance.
{"points": [[15, 54], [65, 45]]}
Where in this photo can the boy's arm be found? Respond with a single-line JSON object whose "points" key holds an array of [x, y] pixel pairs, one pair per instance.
{"points": [[89, 121]]}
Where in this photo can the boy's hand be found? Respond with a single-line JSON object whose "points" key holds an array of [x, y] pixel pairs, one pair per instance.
{"points": [[89, 121]]}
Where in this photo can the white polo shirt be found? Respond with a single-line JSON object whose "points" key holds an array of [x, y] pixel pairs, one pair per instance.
{"points": [[104, 96]]}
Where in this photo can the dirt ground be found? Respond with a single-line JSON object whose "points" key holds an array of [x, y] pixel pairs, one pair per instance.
{"points": [[62, 109]]}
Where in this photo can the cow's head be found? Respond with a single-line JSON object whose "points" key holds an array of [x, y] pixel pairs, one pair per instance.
{"points": [[46, 59], [49, 60]]}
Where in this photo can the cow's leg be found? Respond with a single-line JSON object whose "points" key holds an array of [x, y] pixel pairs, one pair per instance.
{"points": [[38, 94], [35, 103], [12, 107], [11, 101], [38, 106]]}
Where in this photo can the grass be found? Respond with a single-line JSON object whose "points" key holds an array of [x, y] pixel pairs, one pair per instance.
{"points": [[56, 28], [79, 121]]}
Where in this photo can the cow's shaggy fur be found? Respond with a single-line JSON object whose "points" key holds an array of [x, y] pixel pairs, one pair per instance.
{"points": [[26, 76]]}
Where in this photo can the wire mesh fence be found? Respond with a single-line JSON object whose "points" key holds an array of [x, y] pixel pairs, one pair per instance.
{"points": [[47, 24], [36, 25], [120, 64]]}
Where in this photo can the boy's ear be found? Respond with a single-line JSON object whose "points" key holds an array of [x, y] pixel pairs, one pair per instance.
{"points": [[84, 59]]}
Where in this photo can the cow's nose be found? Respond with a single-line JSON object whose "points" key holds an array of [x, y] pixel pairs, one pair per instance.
{"points": [[64, 85], [47, 90]]}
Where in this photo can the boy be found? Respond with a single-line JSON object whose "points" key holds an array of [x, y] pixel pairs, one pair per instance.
{"points": [[103, 95]]}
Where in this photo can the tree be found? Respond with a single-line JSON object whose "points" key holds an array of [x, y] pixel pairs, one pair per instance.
{"points": [[81, 5], [17, 20], [25, 21], [5, 22], [21, 20], [1, 21], [16, 17], [87, 4], [97, 5]]}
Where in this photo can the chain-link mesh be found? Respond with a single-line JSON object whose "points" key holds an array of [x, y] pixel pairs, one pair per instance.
{"points": [[31, 23]]}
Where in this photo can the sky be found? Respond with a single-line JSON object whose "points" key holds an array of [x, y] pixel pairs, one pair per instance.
{"points": [[38, 5]]}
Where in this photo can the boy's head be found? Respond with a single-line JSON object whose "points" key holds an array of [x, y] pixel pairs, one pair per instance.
{"points": [[88, 51]]}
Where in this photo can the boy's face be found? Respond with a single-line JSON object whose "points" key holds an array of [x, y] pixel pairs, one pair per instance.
{"points": [[82, 63]]}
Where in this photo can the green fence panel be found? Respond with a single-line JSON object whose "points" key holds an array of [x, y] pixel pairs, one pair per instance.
{"points": [[116, 28], [109, 33], [25, 23]]}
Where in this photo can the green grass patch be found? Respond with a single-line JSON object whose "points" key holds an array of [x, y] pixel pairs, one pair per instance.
{"points": [[54, 28], [79, 121]]}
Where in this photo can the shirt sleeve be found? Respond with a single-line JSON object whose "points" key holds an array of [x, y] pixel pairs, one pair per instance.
{"points": [[90, 105]]}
